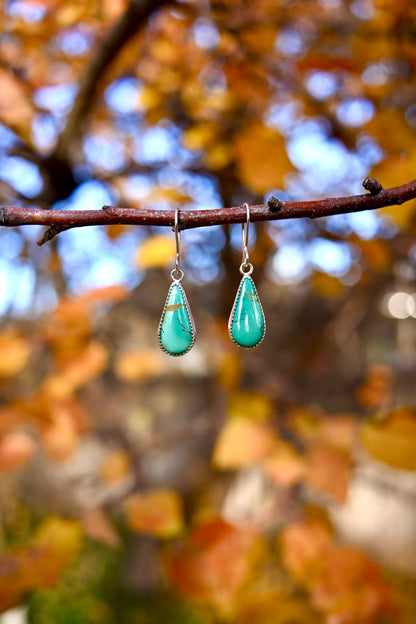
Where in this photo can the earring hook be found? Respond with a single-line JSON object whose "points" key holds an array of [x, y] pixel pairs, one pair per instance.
{"points": [[177, 273], [245, 229]]}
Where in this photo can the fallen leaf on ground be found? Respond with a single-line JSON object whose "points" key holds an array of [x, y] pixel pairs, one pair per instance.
{"points": [[155, 512]]}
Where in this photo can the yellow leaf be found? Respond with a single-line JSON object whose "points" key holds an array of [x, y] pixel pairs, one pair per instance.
{"points": [[115, 230], [164, 50], [166, 193], [138, 365], [115, 467], [150, 97], [276, 607], [60, 535], [156, 252], [229, 370], [251, 405], [396, 169], [156, 512], [218, 157], [327, 285], [200, 136], [392, 440], [69, 14], [14, 354], [242, 442], [392, 132], [404, 215], [261, 158]]}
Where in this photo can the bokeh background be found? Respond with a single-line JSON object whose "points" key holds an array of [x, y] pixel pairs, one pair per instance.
{"points": [[274, 485]]}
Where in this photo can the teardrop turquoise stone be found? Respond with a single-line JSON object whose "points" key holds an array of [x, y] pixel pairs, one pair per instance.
{"points": [[176, 328], [247, 324]]}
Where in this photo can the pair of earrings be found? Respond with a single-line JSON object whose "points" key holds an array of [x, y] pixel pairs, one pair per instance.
{"points": [[246, 325]]}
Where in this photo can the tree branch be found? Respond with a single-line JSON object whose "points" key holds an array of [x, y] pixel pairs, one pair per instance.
{"points": [[11, 216], [137, 12]]}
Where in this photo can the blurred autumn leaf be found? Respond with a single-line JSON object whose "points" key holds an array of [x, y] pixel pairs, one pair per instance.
{"points": [[261, 158], [155, 252], [157, 512], [137, 365], [97, 526], [335, 575], [55, 544], [16, 450], [242, 442], [14, 354], [392, 440], [214, 563]]}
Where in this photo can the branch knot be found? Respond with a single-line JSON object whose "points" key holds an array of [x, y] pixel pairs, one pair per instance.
{"points": [[274, 204], [372, 185]]}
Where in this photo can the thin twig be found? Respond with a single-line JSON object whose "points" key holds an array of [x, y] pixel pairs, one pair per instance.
{"points": [[11, 216]]}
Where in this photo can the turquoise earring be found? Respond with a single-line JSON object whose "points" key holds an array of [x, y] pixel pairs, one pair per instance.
{"points": [[247, 325], [176, 328]]}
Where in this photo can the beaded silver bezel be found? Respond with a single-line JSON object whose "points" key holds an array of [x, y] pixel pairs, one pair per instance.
{"points": [[176, 282], [232, 314]]}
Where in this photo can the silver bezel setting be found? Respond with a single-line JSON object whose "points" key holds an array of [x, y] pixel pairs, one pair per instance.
{"points": [[191, 319], [232, 314]]}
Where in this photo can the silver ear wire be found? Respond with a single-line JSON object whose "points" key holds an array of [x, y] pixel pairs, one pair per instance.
{"points": [[177, 273], [246, 268]]}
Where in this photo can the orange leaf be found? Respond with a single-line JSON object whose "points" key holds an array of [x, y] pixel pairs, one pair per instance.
{"points": [[375, 392], [327, 63], [138, 365], [242, 442], [15, 107], [261, 158], [115, 467], [214, 563], [350, 588], [377, 253], [16, 449], [156, 512], [285, 466], [86, 366], [14, 354], [96, 526], [302, 546], [23, 571], [104, 295], [60, 439], [328, 470]]}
